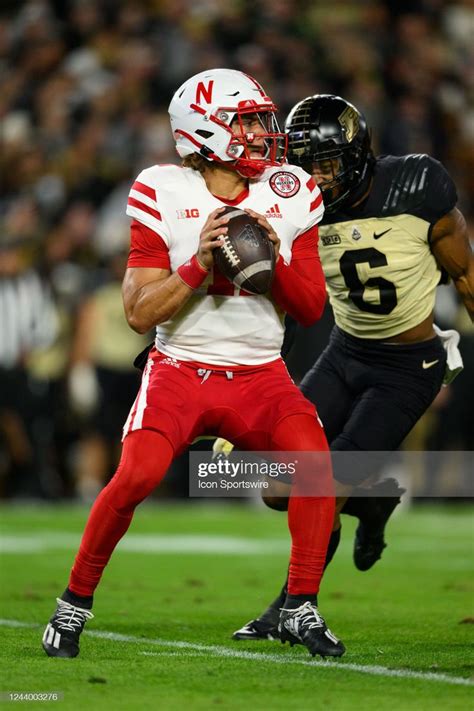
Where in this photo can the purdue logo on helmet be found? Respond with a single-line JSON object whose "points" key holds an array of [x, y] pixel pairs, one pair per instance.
{"points": [[328, 137], [349, 120], [207, 114]]}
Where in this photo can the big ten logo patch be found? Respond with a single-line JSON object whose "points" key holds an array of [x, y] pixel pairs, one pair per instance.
{"points": [[285, 184], [329, 240], [187, 213]]}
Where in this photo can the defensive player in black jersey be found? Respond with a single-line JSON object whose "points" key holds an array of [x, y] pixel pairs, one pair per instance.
{"points": [[390, 231]]}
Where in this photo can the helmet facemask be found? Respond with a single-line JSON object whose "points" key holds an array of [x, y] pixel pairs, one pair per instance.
{"points": [[341, 170], [271, 141], [242, 142], [329, 138]]}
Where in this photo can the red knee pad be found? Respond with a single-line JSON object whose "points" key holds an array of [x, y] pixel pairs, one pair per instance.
{"points": [[299, 433], [146, 457], [304, 433]]}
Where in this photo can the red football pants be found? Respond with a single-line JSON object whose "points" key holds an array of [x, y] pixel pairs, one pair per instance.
{"points": [[237, 408]]}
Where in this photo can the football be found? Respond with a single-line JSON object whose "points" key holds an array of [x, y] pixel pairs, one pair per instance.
{"points": [[247, 257]]}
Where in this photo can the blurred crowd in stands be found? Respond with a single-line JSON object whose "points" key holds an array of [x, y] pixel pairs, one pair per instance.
{"points": [[83, 108]]}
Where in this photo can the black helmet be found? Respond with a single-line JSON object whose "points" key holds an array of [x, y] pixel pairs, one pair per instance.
{"points": [[325, 127]]}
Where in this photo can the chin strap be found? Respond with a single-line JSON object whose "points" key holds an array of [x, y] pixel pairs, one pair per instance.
{"points": [[250, 169], [247, 170]]}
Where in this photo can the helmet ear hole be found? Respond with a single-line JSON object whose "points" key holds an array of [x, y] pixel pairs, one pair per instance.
{"points": [[205, 134]]}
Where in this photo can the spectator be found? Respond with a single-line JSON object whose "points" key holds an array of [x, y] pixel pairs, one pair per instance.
{"points": [[86, 84]]}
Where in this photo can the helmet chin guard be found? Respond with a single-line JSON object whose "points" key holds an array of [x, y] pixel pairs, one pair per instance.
{"points": [[207, 116]]}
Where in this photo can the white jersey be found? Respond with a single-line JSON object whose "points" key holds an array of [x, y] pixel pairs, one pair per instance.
{"points": [[220, 324]]}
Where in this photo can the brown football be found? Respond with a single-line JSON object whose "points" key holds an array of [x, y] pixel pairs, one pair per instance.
{"points": [[247, 257]]}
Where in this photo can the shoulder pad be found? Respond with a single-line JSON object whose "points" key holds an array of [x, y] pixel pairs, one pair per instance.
{"points": [[408, 184], [161, 174], [419, 186]]}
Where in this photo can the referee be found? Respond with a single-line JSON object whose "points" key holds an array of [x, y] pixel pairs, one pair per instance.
{"points": [[28, 322]]}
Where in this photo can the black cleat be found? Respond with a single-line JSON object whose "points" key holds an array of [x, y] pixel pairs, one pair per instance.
{"points": [[304, 625], [61, 636], [369, 539], [264, 627]]}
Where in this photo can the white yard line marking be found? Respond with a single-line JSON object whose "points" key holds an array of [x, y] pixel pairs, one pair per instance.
{"points": [[152, 543], [42, 542], [192, 649]]}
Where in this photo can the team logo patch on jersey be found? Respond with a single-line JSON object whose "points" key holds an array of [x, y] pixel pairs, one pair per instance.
{"points": [[355, 233], [329, 240], [285, 184], [187, 213]]}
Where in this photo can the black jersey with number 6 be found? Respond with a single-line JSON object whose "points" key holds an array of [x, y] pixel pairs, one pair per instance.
{"points": [[381, 275]]}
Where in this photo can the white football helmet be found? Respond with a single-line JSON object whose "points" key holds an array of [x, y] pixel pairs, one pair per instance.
{"points": [[203, 110]]}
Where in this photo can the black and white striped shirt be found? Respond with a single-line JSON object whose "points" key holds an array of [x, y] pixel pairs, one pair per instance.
{"points": [[28, 317]]}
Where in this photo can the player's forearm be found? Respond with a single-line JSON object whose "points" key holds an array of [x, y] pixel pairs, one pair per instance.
{"points": [[452, 250], [157, 302], [301, 297], [465, 288]]}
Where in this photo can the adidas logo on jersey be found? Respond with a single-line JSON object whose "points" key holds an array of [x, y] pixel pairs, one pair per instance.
{"points": [[273, 212], [187, 213]]}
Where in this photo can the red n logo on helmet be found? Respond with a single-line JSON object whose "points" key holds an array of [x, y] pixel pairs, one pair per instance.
{"points": [[205, 92]]}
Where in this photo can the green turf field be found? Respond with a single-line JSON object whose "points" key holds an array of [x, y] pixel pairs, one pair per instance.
{"points": [[188, 575]]}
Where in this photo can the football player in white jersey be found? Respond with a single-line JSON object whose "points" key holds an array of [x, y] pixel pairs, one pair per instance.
{"points": [[216, 365], [390, 231]]}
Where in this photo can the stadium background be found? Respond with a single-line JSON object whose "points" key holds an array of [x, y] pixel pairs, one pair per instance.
{"points": [[83, 108]]}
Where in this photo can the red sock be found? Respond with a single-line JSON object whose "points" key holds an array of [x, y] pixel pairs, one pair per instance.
{"points": [[146, 456], [310, 518]]}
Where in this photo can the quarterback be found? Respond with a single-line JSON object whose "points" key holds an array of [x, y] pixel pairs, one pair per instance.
{"points": [[391, 232], [216, 366]]}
